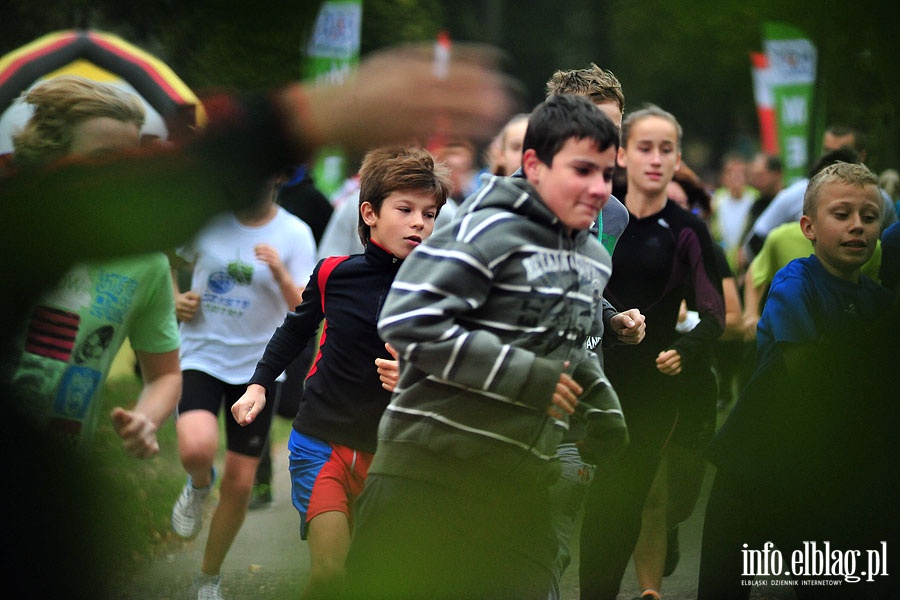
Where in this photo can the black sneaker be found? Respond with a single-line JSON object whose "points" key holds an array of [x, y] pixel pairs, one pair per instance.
{"points": [[260, 496]]}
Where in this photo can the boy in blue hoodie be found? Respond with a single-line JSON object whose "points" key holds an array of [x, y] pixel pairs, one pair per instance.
{"points": [[489, 317], [804, 456]]}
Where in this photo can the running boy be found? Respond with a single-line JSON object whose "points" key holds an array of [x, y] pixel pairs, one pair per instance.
{"points": [[489, 317], [567, 495], [334, 435], [801, 457]]}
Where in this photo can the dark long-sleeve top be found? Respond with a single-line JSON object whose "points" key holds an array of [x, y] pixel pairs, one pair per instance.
{"points": [[660, 260], [343, 398]]}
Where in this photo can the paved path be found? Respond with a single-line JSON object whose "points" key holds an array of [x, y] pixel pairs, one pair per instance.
{"points": [[269, 561]]}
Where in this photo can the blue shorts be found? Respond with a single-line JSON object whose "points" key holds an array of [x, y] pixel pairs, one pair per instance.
{"points": [[324, 477]]}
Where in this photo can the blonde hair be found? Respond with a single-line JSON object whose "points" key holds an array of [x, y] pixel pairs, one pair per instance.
{"points": [[60, 105], [840, 172], [599, 85]]}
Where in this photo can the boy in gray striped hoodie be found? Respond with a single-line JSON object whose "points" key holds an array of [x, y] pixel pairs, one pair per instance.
{"points": [[490, 316]]}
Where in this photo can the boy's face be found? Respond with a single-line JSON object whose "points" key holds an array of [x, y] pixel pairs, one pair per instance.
{"points": [[734, 177], [406, 218], [103, 136], [577, 184], [611, 109], [831, 142], [845, 227]]}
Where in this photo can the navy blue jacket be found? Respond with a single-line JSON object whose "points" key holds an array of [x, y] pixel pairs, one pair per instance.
{"points": [[343, 399]]}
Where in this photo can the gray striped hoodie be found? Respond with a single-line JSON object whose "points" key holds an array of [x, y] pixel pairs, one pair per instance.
{"points": [[485, 314]]}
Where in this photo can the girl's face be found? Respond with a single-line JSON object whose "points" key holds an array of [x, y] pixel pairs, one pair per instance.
{"points": [[650, 154], [511, 151]]}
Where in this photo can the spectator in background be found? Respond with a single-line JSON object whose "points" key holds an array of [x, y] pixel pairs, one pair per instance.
{"points": [[298, 194], [787, 206], [460, 156], [765, 173], [889, 180], [508, 158], [731, 203], [889, 272]]}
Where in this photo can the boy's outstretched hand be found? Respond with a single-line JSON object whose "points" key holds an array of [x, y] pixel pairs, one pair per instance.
{"points": [[249, 405], [137, 431]]}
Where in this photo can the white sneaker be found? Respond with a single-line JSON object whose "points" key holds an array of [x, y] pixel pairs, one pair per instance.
{"points": [[207, 587], [187, 514]]}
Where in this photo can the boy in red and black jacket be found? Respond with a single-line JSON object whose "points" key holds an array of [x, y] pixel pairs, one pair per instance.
{"points": [[334, 434]]}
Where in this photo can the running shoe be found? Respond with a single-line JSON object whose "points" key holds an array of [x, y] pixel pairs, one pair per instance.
{"points": [[207, 587], [187, 514]]}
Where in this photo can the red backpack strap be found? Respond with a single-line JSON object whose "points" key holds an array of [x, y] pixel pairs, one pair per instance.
{"points": [[325, 270]]}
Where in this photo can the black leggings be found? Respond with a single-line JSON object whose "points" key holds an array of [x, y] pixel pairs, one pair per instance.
{"points": [[615, 500], [201, 391]]}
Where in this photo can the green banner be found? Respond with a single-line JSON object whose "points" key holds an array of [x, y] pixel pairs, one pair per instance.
{"points": [[332, 53], [792, 75]]}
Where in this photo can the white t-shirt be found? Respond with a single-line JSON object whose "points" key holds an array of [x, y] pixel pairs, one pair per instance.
{"points": [[241, 304], [731, 216]]}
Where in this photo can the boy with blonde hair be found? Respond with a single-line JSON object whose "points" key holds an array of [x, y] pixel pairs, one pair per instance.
{"points": [[63, 107], [603, 89], [599, 85], [76, 328], [791, 447]]}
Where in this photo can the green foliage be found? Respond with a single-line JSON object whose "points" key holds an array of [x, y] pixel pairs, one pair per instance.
{"points": [[388, 22], [137, 496], [690, 57], [141, 492]]}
